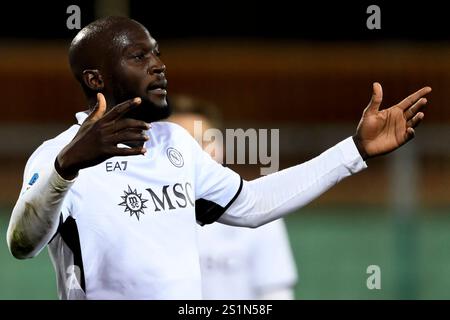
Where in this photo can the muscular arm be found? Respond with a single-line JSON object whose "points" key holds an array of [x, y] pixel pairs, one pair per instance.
{"points": [[271, 197], [379, 132], [36, 214], [35, 217]]}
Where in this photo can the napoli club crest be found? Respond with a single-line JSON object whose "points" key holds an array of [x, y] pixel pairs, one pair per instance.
{"points": [[175, 157]]}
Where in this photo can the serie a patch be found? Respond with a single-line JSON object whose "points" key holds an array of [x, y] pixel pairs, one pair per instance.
{"points": [[33, 179]]}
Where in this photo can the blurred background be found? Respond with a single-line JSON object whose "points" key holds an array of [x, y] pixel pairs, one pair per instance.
{"points": [[306, 69]]}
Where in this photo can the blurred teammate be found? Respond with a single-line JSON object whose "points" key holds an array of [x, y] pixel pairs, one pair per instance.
{"points": [[237, 263], [117, 202]]}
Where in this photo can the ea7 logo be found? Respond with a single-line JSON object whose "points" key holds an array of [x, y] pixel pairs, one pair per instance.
{"points": [[116, 166]]}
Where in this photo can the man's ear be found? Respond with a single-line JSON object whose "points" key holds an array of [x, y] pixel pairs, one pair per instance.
{"points": [[93, 79]]}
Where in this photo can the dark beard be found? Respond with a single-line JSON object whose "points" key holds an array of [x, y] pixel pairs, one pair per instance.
{"points": [[148, 112]]}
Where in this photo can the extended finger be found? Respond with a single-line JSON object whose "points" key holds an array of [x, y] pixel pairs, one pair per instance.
{"points": [[119, 110], [99, 109], [416, 120], [409, 134], [413, 98], [417, 107], [128, 123], [377, 97], [129, 136], [116, 151]]}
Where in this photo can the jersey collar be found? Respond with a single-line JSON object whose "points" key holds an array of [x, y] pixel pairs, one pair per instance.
{"points": [[81, 117]]}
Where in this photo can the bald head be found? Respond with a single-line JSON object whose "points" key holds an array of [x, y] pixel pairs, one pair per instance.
{"points": [[96, 47], [118, 57]]}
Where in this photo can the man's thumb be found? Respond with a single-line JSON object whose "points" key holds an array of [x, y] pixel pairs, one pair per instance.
{"points": [[377, 97]]}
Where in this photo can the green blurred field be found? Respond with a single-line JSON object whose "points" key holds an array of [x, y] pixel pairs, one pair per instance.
{"points": [[332, 247]]}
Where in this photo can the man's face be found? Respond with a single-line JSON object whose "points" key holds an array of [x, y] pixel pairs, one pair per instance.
{"points": [[139, 72]]}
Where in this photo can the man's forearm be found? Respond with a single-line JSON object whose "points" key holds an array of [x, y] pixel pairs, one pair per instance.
{"points": [[271, 197], [35, 217]]}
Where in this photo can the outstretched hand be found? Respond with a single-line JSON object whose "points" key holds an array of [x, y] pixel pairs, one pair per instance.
{"points": [[382, 131], [99, 135]]}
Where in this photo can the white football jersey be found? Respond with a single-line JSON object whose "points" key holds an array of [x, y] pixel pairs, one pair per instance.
{"points": [[242, 263], [128, 225]]}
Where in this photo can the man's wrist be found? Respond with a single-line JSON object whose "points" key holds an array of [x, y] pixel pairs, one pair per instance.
{"points": [[64, 172], [360, 148]]}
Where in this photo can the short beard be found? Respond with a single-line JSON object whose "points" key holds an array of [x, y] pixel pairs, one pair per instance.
{"points": [[148, 112]]}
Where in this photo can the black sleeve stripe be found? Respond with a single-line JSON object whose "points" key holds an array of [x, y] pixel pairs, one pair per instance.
{"points": [[235, 196], [207, 212], [68, 230], [70, 235]]}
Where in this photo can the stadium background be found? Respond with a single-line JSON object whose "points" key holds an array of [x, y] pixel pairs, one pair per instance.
{"points": [[306, 70]]}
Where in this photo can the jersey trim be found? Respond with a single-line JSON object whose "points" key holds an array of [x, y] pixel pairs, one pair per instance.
{"points": [[207, 212], [69, 233]]}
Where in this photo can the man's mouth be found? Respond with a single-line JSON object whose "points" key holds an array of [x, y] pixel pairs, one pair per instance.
{"points": [[158, 87]]}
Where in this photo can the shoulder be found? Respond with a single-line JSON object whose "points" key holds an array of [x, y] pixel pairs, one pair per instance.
{"points": [[164, 131], [50, 148], [171, 128]]}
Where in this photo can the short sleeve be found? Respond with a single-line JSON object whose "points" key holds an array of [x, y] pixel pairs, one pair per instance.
{"points": [[216, 187]]}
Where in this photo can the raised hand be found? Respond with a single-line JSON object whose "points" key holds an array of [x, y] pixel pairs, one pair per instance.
{"points": [[99, 135], [382, 131]]}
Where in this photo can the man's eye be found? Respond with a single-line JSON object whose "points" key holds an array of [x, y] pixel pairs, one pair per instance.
{"points": [[157, 53], [139, 57]]}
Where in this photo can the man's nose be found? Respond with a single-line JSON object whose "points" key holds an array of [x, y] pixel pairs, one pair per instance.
{"points": [[157, 67]]}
